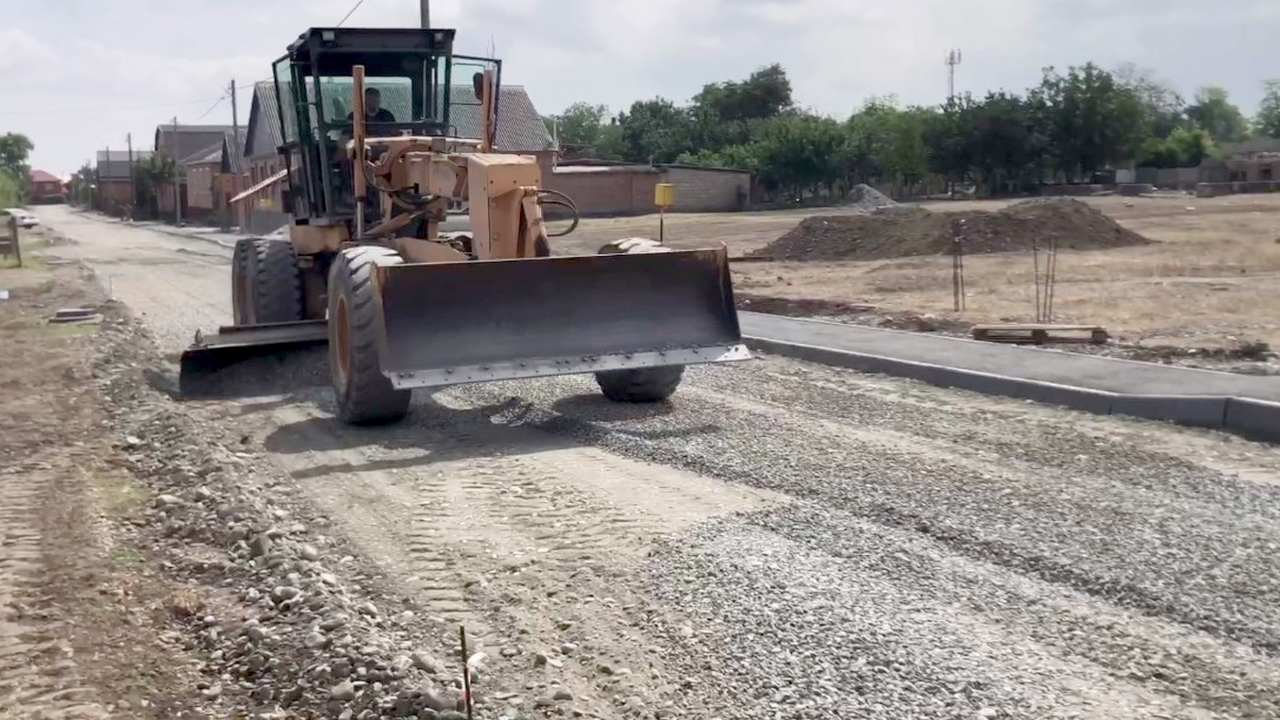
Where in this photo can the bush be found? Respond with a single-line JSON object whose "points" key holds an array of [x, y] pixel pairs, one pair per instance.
{"points": [[10, 191]]}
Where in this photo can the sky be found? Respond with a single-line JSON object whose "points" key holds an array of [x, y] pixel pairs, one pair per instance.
{"points": [[77, 75]]}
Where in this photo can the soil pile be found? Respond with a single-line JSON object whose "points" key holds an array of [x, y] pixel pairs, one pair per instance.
{"points": [[903, 231]]}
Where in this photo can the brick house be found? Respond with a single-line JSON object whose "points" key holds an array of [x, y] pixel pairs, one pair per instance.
{"points": [[45, 188], [114, 191], [212, 178], [180, 143]]}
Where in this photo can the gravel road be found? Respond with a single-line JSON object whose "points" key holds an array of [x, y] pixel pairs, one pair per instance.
{"points": [[785, 539]]}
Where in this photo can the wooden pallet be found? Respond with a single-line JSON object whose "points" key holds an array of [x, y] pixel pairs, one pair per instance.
{"points": [[1041, 334]]}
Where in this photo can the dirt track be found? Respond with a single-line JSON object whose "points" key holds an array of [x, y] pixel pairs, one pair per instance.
{"points": [[784, 540]]}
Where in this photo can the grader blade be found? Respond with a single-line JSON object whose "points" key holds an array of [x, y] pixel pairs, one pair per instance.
{"points": [[453, 323]]}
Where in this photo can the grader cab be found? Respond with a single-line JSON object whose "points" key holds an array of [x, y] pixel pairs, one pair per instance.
{"points": [[387, 135]]}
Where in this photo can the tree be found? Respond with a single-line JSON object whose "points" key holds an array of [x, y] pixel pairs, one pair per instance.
{"points": [[765, 94], [15, 148], [1090, 120], [578, 127], [1213, 112], [655, 131], [1267, 122], [1008, 146], [1162, 107], [949, 136]]}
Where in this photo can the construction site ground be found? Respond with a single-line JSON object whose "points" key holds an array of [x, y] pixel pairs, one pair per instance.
{"points": [[782, 540], [1207, 286]]}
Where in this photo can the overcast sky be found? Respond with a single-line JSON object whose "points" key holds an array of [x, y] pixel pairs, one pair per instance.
{"points": [[76, 75]]}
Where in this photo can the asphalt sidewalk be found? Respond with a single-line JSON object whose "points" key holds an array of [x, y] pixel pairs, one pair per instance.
{"points": [[1246, 404]]}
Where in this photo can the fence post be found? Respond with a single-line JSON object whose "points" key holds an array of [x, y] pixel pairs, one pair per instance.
{"points": [[13, 233]]}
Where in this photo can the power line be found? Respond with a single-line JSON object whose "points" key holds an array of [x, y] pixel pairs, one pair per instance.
{"points": [[353, 9], [215, 104]]}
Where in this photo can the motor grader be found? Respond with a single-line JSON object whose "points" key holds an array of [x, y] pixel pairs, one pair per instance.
{"points": [[368, 267]]}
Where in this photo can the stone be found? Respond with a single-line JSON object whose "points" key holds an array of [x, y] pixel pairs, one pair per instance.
{"points": [[255, 634], [562, 694], [367, 608], [260, 545], [262, 694], [309, 552], [284, 592], [168, 500], [343, 691], [212, 692], [315, 640], [333, 622], [425, 662]]}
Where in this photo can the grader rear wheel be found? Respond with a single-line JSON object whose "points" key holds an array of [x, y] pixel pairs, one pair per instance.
{"points": [[363, 394], [266, 286], [639, 385]]}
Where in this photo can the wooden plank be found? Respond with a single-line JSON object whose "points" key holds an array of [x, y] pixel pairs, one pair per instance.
{"points": [[1041, 334]]}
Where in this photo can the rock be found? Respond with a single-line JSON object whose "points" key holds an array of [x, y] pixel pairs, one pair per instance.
{"points": [[315, 640], [132, 440], [328, 578], [987, 713], [255, 634], [367, 608], [451, 715], [438, 701], [340, 668], [604, 669], [260, 545], [540, 659], [212, 692], [284, 592], [333, 622], [686, 631], [343, 691], [309, 552], [425, 662], [168, 500], [562, 694], [567, 648], [508, 652], [346, 714], [262, 694]]}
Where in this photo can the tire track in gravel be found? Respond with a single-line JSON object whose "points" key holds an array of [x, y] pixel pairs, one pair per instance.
{"points": [[37, 675]]}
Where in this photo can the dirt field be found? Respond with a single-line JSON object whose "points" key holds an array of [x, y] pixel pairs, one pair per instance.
{"points": [[1209, 282], [781, 540]]}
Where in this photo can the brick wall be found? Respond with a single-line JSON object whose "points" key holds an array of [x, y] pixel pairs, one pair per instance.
{"points": [[607, 191], [200, 186], [706, 190]]}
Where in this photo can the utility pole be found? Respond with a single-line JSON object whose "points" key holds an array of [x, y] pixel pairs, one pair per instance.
{"points": [[133, 182], [177, 192], [104, 204], [235, 158], [425, 8], [953, 59]]}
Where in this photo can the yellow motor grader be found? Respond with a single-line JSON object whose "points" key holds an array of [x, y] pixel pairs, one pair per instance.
{"points": [[386, 134]]}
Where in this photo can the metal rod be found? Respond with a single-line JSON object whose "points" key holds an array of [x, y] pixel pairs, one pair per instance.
{"points": [[466, 670], [662, 226], [357, 139], [1035, 261], [177, 192]]}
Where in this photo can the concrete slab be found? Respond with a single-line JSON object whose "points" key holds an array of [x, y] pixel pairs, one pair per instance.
{"points": [[1246, 404]]}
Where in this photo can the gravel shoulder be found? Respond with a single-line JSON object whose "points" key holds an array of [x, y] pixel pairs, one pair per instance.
{"points": [[783, 540]]}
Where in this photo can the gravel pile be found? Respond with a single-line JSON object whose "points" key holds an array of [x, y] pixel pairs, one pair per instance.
{"points": [[903, 231], [984, 559], [865, 197], [290, 623]]}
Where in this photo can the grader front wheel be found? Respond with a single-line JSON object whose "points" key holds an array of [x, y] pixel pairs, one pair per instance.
{"points": [[266, 286], [363, 394], [640, 385]]}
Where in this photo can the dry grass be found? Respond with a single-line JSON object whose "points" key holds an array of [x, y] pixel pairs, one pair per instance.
{"points": [[1213, 279]]}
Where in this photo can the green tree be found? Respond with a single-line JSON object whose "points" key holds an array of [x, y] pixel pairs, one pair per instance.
{"points": [[15, 148], [1163, 109], [765, 94], [949, 136], [578, 127], [1215, 114], [1267, 122], [1090, 120], [655, 131], [1008, 146]]}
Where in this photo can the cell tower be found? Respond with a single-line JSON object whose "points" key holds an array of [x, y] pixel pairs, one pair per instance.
{"points": [[953, 59]]}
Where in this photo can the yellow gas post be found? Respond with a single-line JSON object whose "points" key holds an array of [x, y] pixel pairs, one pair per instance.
{"points": [[664, 196]]}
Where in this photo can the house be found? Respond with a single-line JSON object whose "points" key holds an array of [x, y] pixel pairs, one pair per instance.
{"points": [[1256, 160], [213, 177], [113, 193], [181, 142], [520, 130], [45, 188]]}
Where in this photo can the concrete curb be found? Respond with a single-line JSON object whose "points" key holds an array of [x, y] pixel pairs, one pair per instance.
{"points": [[1256, 419]]}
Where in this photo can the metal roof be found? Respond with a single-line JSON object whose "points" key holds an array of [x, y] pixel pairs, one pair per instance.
{"points": [[183, 141], [116, 165], [42, 176]]}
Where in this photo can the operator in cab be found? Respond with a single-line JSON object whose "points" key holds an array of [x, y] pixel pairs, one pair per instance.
{"points": [[373, 110]]}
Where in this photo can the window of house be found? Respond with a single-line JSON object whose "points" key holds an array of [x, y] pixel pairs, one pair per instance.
{"points": [[1264, 173]]}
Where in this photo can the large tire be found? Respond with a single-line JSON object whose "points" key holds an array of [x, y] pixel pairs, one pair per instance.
{"points": [[640, 385], [266, 285], [363, 394]]}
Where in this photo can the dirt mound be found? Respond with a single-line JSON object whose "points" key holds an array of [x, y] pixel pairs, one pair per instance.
{"points": [[902, 231], [865, 197]]}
